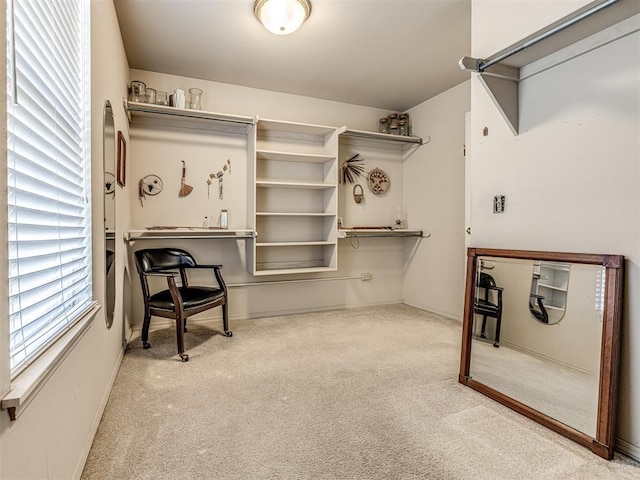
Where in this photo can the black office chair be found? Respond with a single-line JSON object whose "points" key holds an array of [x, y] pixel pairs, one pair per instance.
{"points": [[486, 307], [177, 302]]}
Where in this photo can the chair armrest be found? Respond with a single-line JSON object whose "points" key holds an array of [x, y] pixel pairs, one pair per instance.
{"points": [[497, 289], [218, 267], [533, 295], [160, 274]]}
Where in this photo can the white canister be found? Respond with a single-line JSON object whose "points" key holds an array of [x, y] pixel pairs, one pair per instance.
{"points": [[179, 98]]}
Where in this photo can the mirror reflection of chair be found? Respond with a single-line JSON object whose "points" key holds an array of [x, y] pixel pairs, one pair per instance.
{"points": [[177, 302], [486, 307], [540, 313]]}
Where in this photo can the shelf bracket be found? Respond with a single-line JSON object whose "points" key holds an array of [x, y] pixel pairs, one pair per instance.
{"points": [[501, 83], [500, 73]]}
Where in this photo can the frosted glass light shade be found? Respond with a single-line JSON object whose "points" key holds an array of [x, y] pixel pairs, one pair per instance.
{"points": [[282, 17]]}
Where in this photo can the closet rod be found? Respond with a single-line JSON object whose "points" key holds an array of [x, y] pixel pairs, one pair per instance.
{"points": [[484, 64]]}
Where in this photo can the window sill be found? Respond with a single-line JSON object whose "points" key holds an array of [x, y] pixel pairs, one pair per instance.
{"points": [[26, 385]]}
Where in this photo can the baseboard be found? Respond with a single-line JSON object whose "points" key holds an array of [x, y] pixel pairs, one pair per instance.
{"points": [[448, 315], [96, 421], [158, 323], [628, 449]]}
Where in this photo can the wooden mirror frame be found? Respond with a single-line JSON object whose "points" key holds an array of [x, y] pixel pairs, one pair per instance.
{"points": [[121, 166], [603, 442]]}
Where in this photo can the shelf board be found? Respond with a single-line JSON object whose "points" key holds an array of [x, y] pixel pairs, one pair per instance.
{"points": [[552, 287], [189, 118], [187, 233], [295, 214], [293, 156], [288, 271], [278, 126], [294, 244], [290, 184], [382, 137], [552, 307]]}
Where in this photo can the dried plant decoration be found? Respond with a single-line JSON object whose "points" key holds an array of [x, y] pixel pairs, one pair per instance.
{"points": [[352, 169]]}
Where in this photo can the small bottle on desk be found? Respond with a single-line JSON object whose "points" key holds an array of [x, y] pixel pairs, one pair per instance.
{"points": [[224, 219]]}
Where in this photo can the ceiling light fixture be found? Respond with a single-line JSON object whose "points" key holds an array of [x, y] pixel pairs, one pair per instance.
{"points": [[282, 17]]}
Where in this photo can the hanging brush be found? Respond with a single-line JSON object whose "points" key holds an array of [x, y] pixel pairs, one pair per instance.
{"points": [[184, 188]]}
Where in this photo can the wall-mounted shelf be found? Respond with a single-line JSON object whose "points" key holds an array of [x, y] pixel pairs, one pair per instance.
{"points": [[186, 233], [500, 73], [381, 232], [172, 116], [383, 137]]}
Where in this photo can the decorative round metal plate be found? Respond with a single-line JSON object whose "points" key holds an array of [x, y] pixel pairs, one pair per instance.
{"points": [[378, 181], [152, 185], [109, 183]]}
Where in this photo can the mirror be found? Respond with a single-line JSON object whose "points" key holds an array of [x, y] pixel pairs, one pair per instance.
{"points": [[109, 162], [540, 335]]}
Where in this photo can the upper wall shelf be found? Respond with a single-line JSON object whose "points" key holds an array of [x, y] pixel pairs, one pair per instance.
{"points": [[500, 73], [383, 137], [172, 116]]}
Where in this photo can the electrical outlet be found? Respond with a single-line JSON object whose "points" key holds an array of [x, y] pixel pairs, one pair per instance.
{"points": [[366, 277], [498, 204], [340, 225]]}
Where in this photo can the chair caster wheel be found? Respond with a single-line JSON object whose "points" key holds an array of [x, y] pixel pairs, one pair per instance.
{"points": [[497, 345], [184, 357], [185, 329], [228, 333], [482, 335], [146, 345]]}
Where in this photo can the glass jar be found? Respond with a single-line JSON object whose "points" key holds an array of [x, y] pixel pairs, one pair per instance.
{"points": [[393, 120], [405, 117], [383, 126], [138, 91], [150, 95], [195, 98], [393, 130], [161, 98], [403, 128]]}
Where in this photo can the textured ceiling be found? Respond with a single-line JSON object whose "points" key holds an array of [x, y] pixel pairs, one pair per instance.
{"points": [[390, 54]]}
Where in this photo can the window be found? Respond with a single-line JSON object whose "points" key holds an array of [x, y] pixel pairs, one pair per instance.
{"points": [[48, 172]]}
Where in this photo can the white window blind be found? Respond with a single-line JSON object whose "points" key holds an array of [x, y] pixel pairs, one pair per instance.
{"points": [[48, 172]]}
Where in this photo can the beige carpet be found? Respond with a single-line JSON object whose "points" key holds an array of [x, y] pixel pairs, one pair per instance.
{"points": [[367, 393]]}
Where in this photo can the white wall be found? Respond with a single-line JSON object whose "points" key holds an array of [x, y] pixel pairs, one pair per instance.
{"points": [[53, 435], [434, 194], [159, 151], [571, 178]]}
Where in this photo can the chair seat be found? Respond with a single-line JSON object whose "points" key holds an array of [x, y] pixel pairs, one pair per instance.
{"points": [[192, 297]]}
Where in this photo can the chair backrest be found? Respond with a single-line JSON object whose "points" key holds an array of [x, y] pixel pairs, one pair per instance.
{"points": [[486, 280], [156, 259]]}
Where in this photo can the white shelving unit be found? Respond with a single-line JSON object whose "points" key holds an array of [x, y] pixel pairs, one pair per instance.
{"points": [[293, 198]]}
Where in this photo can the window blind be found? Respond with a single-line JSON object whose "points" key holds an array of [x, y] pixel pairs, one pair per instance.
{"points": [[48, 172]]}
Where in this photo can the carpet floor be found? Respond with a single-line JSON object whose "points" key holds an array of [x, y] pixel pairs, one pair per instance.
{"points": [[364, 393]]}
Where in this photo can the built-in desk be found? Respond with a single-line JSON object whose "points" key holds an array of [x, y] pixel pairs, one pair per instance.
{"points": [[356, 232]]}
